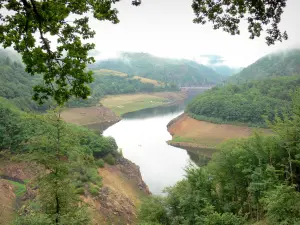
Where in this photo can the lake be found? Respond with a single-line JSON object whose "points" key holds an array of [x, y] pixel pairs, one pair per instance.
{"points": [[142, 137]]}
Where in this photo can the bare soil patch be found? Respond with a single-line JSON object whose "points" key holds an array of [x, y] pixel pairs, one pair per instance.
{"points": [[89, 115], [7, 200], [120, 195], [192, 132]]}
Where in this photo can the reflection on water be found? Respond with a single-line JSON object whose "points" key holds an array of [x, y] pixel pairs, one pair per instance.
{"points": [[142, 136], [143, 141], [155, 112]]}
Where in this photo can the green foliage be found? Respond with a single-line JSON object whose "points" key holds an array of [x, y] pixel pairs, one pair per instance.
{"points": [[246, 180], [112, 85], [153, 211], [223, 219], [110, 159], [252, 102], [282, 205], [94, 190], [100, 163], [19, 189], [63, 67], [273, 65], [66, 151], [171, 71], [16, 85], [227, 15]]}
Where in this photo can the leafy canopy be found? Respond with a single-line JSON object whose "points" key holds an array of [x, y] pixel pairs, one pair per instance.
{"points": [[228, 14], [29, 26]]}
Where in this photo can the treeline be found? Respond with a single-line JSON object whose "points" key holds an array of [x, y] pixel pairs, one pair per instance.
{"points": [[113, 85], [284, 63], [178, 71], [252, 102], [16, 85], [67, 157], [247, 181]]}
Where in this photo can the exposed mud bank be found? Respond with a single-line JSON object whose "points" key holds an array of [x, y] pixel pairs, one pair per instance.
{"points": [[192, 133], [97, 117]]}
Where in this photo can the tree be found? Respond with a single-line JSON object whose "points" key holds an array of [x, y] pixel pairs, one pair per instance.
{"points": [[29, 26], [227, 14]]}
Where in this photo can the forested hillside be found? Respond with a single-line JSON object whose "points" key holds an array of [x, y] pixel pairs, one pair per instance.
{"points": [[179, 72], [109, 82], [250, 102], [248, 181], [15, 84], [285, 63], [67, 158]]}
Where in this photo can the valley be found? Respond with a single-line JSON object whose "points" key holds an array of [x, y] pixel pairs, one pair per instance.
{"points": [[137, 141]]}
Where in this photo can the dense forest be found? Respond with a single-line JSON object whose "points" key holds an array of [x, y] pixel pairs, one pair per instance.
{"points": [[67, 157], [17, 85], [250, 102], [180, 72], [284, 63], [248, 181]]}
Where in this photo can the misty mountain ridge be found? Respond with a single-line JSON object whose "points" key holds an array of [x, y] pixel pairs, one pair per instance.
{"points": [[181, 72], [283, 63]]}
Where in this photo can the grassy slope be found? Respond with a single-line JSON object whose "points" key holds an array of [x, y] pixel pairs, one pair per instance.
{"points": [[180, 72], [105, 72], [122, 104]]}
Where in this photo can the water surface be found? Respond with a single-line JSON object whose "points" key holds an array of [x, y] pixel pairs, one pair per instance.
{"points": [[142, 136]]}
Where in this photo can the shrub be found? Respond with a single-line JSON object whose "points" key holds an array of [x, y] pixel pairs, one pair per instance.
{"points": [[100, 163], [80, 191], [110, 159], [94, 190]]}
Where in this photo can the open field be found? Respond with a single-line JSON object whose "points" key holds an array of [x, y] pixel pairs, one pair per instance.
{"points": [[122, 104], [89, 115], [104, 72], [189, 132]]}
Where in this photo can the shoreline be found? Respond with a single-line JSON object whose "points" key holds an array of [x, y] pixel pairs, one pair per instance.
{"points": [[189, 133], [101, 117]]}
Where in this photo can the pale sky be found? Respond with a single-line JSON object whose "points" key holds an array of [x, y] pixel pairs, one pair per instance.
{"points": [[165, 28]]}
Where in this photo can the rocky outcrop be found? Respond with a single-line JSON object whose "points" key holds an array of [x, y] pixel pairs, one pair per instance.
{"points": [[132, 172]]}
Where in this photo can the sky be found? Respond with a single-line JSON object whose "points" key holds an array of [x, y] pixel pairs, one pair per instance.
{"points": [[164, 28]]}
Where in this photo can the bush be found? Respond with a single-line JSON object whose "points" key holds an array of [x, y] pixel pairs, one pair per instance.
{"points": [[153, 211], [100, 163], [110, 159], [94, 190], [80, 191]]}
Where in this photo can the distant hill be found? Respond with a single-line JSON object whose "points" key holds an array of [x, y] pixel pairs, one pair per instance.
{"points": [[177, 71], [144, 80], [285, 63], [218, 64], [250, 102], [226, 70], [15, 84]]}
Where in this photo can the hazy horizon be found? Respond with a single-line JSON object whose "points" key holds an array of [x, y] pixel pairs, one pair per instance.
{"points": [[165, 29]]}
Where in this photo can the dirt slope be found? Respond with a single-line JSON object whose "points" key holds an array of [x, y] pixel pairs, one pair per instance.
{"points": [[190, 132], [120, 195], [116, 203]]}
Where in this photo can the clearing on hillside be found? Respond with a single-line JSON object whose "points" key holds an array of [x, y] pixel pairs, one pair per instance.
{"points": [[122, 104], [104, 72]]}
